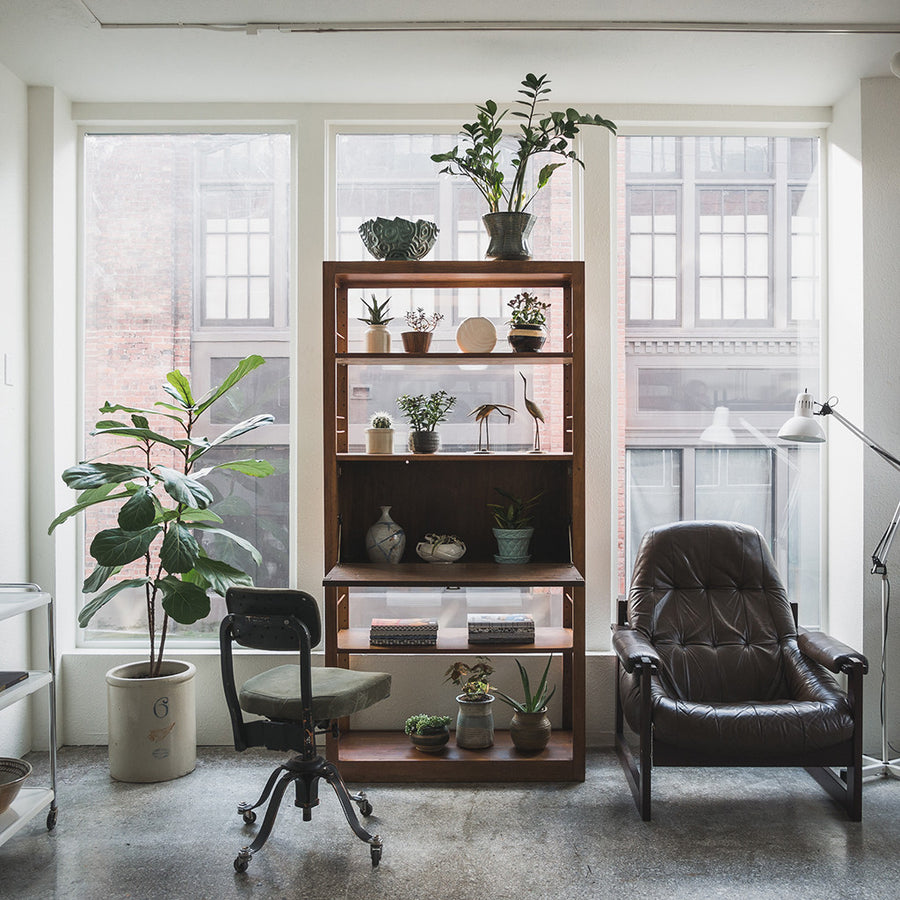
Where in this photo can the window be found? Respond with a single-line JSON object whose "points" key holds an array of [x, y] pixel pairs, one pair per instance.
{"points": [[720, 305], [185, 261]]}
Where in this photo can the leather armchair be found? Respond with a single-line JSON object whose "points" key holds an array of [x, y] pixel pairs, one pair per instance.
{"points": [[712, 671]]}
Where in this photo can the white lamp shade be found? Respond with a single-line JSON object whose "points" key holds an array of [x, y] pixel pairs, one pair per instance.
{"points": [[718, 432], [802, 426]]}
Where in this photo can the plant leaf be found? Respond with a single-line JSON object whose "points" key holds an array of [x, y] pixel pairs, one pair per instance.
{"points": [[117, 407], [90, 609], [139, 512], [98, 578], [219, 575], [180, 550], [117, 547], [244, 367], [85, 476], [183, 601], [87, 498], [182, 387], [258, 468], [143, 434], [242, 428], [235, 538], [184, 489]]}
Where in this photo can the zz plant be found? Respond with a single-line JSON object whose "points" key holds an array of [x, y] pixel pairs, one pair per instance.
{"points": [[163, 500]]}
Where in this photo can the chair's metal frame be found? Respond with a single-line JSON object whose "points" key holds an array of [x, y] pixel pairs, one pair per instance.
{"points": [[845, 787], [304, 769]]}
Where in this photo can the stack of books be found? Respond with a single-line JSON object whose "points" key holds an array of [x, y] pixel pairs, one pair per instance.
{"points": [[501, 628], [403, 632]]}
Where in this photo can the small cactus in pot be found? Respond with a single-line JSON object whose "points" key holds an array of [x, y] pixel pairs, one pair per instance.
{"points": [[380, 434]]}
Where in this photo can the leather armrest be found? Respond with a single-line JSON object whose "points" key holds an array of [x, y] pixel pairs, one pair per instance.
{"points": [[829, 652], [633, 649]]}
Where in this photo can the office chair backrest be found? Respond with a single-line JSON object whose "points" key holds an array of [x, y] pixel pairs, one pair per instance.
{"points": [[263, 629], [708, 596]]}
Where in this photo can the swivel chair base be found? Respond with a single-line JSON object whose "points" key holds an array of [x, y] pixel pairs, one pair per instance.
{"points": [[304, 774]]}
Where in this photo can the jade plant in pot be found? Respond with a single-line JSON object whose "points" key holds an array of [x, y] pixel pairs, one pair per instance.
{"points": [[378, 338], [487, 161], [513, 529], [530, 727], [475, 719], [418, 338], [158, 487], [429, 734], [424, 415], [380, 434], [528, 324]]}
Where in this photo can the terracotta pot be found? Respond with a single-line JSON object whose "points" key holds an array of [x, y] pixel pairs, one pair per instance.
{"points": [[416, 341], [530, 732]]}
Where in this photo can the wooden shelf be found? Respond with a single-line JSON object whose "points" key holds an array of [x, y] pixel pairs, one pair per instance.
{"points": [[388, 756], [456, 640], [499, 358], [459, 574], [470, 456]]}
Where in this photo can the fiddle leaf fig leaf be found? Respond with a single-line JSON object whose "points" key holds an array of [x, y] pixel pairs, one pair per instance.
{"points": [[139, 512], [117, 547], [181, 386], [87, 498], [244, 367], [85, 476], [90, 609], [98, 578], [258, 468], [184, 489], [183, 601], [219, 575], [243, 543], [180, 550]]}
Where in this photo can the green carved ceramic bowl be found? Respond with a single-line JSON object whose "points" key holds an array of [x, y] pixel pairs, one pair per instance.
{"points": [[398, 238]]}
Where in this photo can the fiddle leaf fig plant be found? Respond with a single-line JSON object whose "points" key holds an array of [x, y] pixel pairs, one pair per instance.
{"points": [[163, 502]]}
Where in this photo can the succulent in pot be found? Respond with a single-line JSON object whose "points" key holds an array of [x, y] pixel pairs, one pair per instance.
{"points": [[530, 727], [513, 526], [378, 338], [441, 548], [424, 414], [475, 719], [421, 325], [428, 733], [380, 433], [528, 323]]}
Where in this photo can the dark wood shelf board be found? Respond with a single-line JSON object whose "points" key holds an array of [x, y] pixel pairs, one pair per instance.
{"points": [[471, 456], [456, 640], [454, 359], [461, 574]]}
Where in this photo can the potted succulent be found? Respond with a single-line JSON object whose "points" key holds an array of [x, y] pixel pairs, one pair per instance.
{"points": [[507, 221], [475, 719], [159, 488], [378, 338], [424, 414], [530, 727], [528, 330], [421, 325], [513, 529], [380, 434], [428, 733], [441, 548]]}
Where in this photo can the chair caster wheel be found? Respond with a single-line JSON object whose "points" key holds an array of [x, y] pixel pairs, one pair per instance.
{"points": [[248, 816], [51, 818], [376, 855], [241, 861], [365, 808]]}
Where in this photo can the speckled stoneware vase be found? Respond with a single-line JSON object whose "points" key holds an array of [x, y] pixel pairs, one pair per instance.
{"points": [[385, 539]]}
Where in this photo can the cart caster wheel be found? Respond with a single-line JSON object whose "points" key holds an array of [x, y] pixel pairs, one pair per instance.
{"points": [[249, 817], [365, 808], [242, 860], [51, 818], [376, 854]]}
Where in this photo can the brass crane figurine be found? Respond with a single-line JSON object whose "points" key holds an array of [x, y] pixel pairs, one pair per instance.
{"points": [[482, 417], [535, 412]]}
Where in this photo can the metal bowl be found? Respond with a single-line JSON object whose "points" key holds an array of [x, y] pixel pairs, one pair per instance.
{"points": [[398, 238], [13, 773]]}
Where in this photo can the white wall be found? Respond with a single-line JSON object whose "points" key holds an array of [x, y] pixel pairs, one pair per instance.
{"points": [[14, 721]]}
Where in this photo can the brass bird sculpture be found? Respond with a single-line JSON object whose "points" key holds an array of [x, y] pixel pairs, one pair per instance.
{"points": [[482, 417], [535, 412]]}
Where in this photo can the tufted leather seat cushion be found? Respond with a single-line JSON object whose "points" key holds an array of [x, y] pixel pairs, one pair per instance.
{"points": [[731, 677]]}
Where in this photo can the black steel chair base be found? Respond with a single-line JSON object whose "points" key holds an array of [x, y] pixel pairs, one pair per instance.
{"points": [[304, 774]]}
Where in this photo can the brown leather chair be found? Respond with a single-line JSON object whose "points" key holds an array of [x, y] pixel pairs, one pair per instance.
{"points": [[712, 671]]}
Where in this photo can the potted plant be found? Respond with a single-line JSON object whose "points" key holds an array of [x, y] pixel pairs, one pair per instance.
{"points": [[424, 414], [428, 733], [380, 434], [513, 529], [378, 338], [507, 222], [528, 330], [158, 485], [475, 719], [441, 548], [530, 727], [418, 338]]}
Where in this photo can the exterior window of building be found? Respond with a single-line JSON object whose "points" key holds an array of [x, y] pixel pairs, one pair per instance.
{"points": [[719, 329], [185, 261]]}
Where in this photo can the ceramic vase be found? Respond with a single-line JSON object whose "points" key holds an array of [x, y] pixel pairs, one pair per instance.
{"points": [[530, 732], [385, 539], [526, 338], [475, 723], [509, 233], [378, 339]]}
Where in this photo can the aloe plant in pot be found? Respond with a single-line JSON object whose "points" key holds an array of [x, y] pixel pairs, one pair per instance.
{"points": [[157, 485], [530, 727]]}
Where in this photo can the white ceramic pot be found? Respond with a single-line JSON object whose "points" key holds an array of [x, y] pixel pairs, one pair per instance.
{"points": [[152, 722], [378, 339], [379, 440]]}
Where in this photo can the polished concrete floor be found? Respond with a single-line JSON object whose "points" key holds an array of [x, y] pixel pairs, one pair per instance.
{"points": [[761, 833]]}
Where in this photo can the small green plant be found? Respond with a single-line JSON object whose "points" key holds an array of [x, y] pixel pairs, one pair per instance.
{"points": [[472, 680], [424, 413], [376, 313], [417, 320], [425, 724], [517, 513], [527, 309], [533, 702], [381, 420]]}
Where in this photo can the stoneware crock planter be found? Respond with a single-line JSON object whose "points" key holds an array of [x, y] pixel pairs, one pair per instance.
{"points": [[152, 722], [512, 544], [378, 339], [526, 338], [416, 341], [509, 233], [474, 723], [434, 742], [530, 732], [424, 442], [379, 440]]}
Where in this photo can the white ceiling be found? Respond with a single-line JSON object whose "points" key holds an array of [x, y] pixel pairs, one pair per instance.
{"points": [[62, 43]]}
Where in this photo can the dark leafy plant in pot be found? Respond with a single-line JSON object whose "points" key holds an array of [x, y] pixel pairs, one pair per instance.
{"points": [[161, 507], [516, 513], [533, 702], [472, 681]]}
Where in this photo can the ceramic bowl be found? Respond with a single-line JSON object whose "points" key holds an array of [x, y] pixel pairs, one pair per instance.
{"points": [[440, 553], [398, 238], [13, 773]]}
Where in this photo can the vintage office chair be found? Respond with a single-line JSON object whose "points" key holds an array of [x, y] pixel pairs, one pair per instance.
{"points": [[711, 670], [296, 703]]}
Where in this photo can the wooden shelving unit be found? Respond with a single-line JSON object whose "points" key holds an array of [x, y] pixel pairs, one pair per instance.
{"points": [[356, 485]]}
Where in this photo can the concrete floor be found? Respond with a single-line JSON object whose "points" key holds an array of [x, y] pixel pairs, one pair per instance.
{"points": [[761, 833]]}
